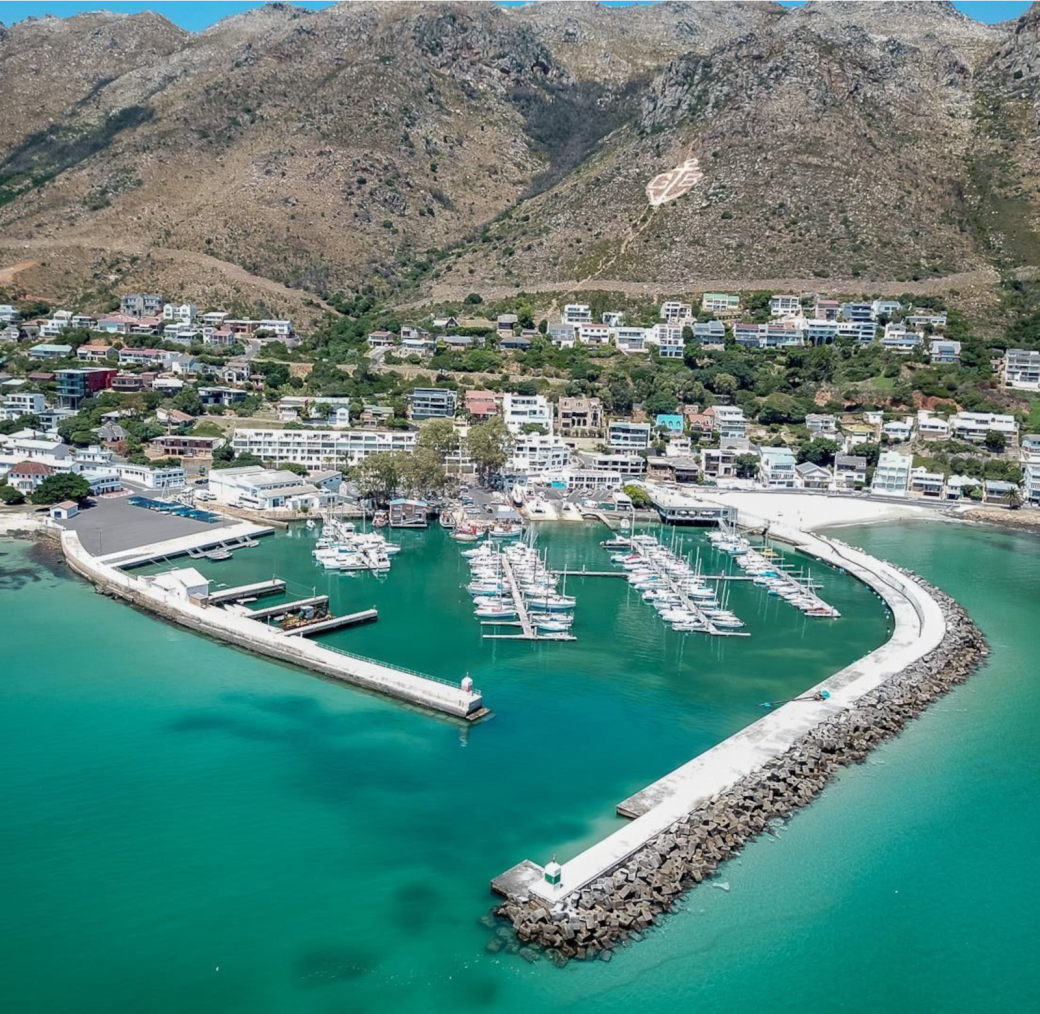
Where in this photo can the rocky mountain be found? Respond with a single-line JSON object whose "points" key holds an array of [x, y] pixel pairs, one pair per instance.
{"points": [[286, 151]]}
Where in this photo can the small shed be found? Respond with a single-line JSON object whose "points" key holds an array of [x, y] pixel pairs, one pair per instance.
{"points": [[64, 510]]}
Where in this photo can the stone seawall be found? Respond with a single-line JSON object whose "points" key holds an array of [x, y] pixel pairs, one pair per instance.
{"points": [[632, 896]]}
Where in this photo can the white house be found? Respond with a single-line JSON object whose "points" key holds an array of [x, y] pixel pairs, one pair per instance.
{"points": [[899, 430], [519, 410], [930, 426], [974, 426], [720, 302], [785, 306], [675, 312], [943, 350], [534, 453], [776, 469], [577, 313], [623, 435], [1022, 369]]}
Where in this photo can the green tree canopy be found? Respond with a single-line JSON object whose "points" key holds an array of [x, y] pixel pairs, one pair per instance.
{"points": [[489, 445], [61, 486]]}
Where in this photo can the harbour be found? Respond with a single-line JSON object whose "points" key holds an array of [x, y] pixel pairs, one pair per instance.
{"points": [[286, 765]]}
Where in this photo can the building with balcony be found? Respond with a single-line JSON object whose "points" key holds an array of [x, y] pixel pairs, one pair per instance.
{"points": [[432, 403], [892, 474], [623, 435]]}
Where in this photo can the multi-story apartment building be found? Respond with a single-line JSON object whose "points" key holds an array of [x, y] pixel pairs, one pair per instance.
{"points": [[942, 350], [534, 453], [75, 386], [820, 425], [819, 332], [858, 312], [577, 313], [710, 332], [777, 467], [862, 331], [325, 448], [892, 474], [675, 312], [850, 471], [630, 339], [432, 403], [668, 339], [1030, 458], [885, 307], [623, 435]]}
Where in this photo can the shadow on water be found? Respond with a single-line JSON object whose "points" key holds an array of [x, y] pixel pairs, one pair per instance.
{"points": [[328, 965], [14, 576], [329, 746]]}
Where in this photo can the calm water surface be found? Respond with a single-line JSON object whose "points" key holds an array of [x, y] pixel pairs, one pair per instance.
{"points": [[185, 827]]}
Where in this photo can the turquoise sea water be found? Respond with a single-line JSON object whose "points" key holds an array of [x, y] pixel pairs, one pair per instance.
{"points": [[185, 827]]}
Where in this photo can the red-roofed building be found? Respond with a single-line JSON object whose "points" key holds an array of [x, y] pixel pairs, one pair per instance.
{"points": [[481, 404], [27, 475]]}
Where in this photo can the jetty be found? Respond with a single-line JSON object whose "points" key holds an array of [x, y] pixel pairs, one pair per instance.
{"points": [[181, 596], [518, 599], [284, 608], [333, 623], [247, 591]]}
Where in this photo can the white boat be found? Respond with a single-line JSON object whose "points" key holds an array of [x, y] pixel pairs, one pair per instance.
{"points": [[552, 626], [555, 603]]}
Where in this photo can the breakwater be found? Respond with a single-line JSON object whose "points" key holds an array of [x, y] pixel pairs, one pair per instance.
{"points": [[457, 701], [590, 917]]}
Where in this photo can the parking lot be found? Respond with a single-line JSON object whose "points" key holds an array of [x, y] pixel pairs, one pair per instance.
{"points": [[112, 525]]}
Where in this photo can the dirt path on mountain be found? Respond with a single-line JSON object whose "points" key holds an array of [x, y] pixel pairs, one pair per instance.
{"points": [[967, 283], [199, 261], [9, 275]]}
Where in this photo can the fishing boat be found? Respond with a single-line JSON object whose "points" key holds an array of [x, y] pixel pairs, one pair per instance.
{"points": [[506, 530], [465, 533], [380, 519], [447, 519]]}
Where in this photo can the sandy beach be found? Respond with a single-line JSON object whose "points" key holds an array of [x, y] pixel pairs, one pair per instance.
{"points": [[809, 511]]}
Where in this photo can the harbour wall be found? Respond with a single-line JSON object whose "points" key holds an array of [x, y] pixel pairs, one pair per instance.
{"points": [[694, 818], [414, 688]]}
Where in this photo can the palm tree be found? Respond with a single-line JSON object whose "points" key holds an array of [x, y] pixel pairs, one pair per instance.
{"points": [[1014, 500]]}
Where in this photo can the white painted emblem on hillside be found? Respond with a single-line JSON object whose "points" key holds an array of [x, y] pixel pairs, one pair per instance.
{"points": [[674, 183]]}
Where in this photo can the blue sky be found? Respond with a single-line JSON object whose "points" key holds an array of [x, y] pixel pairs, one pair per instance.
{"points": [[196, 16]]}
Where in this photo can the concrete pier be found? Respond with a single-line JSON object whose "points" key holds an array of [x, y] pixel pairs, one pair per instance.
{"points": [[184, 544], [919, 629], [247, 591], [269, 612], [414, 688], [333, 623]]}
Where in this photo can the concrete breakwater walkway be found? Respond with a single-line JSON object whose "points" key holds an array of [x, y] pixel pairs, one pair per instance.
{"points": [[243, 632], [691, 820]]}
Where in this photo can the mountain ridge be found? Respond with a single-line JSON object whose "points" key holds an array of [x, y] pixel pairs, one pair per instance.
{"points": [[413, 144]]}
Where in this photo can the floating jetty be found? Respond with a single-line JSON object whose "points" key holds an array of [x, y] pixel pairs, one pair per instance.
{"points": [[182, 597], [284, 608]]}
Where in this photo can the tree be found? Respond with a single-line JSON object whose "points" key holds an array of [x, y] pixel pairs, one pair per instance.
{"points": [[746, 466], [294, 467], [724, 383], [422, 472], [379, 475], [474, 299], [820, 451], [995, 441], [438, 435], [1014, 499], [639, 496], [489, 446], [188, 401], [11, 496], [61, 486]]}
